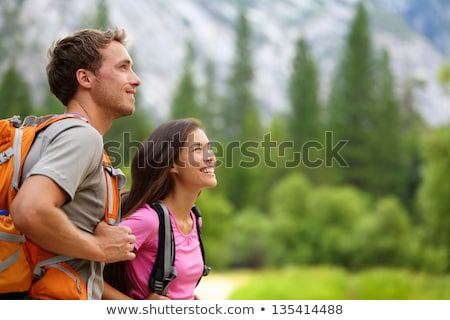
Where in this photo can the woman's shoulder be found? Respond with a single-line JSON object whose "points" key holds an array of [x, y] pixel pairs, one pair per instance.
{"points": [[144, 214], [143, 223]]}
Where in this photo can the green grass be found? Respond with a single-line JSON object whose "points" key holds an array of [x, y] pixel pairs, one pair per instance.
{"points": [[329, 283]]}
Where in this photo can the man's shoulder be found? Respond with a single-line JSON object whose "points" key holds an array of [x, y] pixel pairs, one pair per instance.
{"points": [[68, 123], [75, 128]]}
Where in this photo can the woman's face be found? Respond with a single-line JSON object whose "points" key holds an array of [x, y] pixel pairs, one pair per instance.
{"points": [[195, 168]]}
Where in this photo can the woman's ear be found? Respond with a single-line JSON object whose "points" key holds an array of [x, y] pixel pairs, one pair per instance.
{"points": [[174, 169]]}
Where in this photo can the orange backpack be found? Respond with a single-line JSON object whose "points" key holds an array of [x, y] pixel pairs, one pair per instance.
{"points": [[25, 268]]}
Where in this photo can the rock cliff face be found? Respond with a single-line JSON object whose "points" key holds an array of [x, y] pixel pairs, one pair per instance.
{"points": [[158, 31], [429, 18]]}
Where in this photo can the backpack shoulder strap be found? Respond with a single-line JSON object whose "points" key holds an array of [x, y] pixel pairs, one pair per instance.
{"points": [[115, 181], [163, 271], [44, 121], [198, 215], [23, 137]]}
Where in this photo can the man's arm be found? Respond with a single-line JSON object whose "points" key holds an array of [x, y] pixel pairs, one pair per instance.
{"points": [[36, 212]]}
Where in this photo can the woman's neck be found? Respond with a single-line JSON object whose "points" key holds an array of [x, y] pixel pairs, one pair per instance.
{"points": [[181, 210], [180, 204]]}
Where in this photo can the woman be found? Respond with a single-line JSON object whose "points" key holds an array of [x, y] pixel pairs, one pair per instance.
{"points": [[173, 166]]}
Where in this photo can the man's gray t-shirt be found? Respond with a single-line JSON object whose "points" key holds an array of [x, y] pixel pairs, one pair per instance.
{"points": [[70, 152]]}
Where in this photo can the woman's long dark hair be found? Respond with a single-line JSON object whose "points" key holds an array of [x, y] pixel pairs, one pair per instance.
{"points": [[151, 179]]}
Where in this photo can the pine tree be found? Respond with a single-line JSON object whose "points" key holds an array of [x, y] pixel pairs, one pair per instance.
{"points": [[209, 102], [413, 126], [351, 104], [14, 95], [304, 121], [240, 112], [242, 127], [11, 30], [387, 170], [99, 19], [51, 105], [365, 112], [184, 103], [277, 161]]}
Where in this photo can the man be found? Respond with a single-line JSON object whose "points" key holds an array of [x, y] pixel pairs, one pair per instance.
{"points": [[60, 205]]}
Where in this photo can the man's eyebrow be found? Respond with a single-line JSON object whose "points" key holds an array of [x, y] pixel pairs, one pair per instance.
{"points": [[126, 61]]}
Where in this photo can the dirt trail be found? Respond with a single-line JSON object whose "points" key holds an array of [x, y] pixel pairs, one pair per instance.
{"points": [[218, 286]]}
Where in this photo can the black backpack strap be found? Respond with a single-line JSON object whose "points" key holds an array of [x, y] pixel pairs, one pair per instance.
{"points": [[197, 214], [163, 270]]}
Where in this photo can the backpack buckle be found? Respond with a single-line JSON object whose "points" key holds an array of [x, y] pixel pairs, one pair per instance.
{"points": [[161, 287], [206, 270]]}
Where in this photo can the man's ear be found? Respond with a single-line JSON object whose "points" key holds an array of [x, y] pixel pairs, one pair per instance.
{"points": [[84, 78]]}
